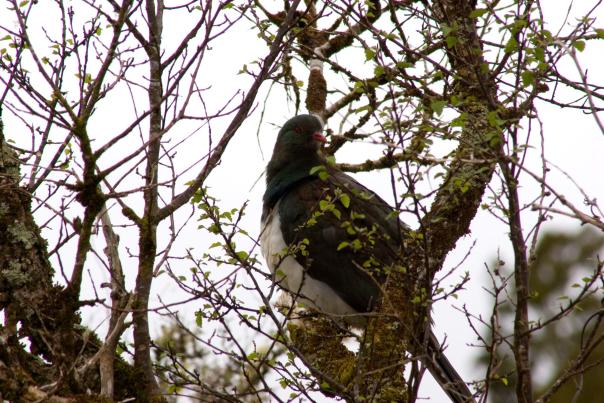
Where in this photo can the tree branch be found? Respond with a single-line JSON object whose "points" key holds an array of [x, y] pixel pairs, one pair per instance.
{"points": [[267, 66]]}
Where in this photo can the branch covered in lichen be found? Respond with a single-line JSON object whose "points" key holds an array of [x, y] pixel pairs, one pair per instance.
{"points": [[36, 308], [373, 374], [406, 304]]}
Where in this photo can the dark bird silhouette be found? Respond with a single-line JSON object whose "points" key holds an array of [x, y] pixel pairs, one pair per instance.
{"points": [[330, 242]]}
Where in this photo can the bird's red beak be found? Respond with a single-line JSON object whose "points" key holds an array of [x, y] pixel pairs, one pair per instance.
{"points": [[319, 137]]}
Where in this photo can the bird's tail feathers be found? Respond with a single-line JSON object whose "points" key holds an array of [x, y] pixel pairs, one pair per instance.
{"points": [[446, 376]]}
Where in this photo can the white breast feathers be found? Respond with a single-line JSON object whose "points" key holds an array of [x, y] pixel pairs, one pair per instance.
{"points": [[291, 276]]}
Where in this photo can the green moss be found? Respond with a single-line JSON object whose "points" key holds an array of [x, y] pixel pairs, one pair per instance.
{"points": [[376, 371], [20, 234], [3, 209], [89, 398], [9, 163], [320, 341], [15, 274]]}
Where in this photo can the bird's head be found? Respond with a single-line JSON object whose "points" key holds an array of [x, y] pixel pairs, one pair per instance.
{"points": [[300, 134], [297, 151]]}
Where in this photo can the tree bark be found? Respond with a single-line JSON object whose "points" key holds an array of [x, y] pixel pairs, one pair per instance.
{"points": [[406, 305], [38, 310]]}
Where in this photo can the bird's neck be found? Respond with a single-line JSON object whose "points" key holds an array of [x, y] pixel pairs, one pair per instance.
{"points": [[282, 176]]}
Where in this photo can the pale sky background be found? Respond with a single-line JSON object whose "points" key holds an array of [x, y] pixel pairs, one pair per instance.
{"points": [[573, 143]]}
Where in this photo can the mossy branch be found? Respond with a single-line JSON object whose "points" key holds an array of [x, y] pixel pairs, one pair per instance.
{"points": [[371, 375], [406, 305], [26, 288]]}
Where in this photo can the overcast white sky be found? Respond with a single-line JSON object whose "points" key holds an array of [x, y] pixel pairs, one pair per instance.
{"points": [[573, 142]]}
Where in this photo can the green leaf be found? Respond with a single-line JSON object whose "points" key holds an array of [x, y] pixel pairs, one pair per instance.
{"points": [[363, 109], [437, 106], [479, 12], [119, 349], [356, 244], [324, 205], [404, 65], [518, 25], [336, 212], [511, 46], [460, 121], [494, 119], [198, 318], [345, 200], [540, 54], [600, 33], [369, 54], [451, 41], [359, 87], [342, 245], [214, 229], [528, 78], [316, 169], [579, 45]]}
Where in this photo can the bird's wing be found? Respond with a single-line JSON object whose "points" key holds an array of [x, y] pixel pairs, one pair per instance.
{"points": [[346, 235]]}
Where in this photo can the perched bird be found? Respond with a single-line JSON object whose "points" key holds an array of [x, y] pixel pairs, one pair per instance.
{"points": [[330, 242]]}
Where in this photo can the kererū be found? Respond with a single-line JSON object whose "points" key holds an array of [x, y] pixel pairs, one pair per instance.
{"points": [[329, 241]]}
